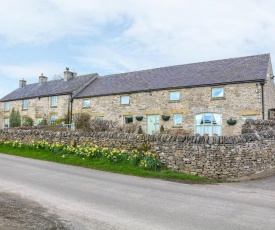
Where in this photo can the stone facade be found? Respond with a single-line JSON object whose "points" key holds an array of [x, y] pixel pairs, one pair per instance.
{"points": [[37, 108], [223, 157], [240, 99]]}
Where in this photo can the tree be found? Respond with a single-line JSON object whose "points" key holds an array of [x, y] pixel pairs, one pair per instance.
{"points": [[15, 120], [28, 121]]}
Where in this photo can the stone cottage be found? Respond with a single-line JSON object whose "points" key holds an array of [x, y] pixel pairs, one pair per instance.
{"points": [[212, 97], [43, 100], [198, 98]]}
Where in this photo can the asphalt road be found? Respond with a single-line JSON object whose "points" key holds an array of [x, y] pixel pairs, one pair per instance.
{"points": [[90, 199]]}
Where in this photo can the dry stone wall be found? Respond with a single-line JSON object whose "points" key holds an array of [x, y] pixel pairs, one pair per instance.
{"points": [[220, 157]]}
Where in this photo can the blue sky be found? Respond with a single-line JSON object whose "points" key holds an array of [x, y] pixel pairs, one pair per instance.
{"points": [[107, 36]]}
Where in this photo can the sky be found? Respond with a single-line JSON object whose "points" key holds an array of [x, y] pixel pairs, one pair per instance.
{"points": [[108, 37]]}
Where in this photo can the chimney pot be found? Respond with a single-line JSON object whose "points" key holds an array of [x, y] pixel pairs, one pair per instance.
{"points": [[68, 75], [42, 79]]}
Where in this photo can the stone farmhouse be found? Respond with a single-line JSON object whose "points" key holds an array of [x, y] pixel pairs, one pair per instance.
{"points": [[213, 97]]}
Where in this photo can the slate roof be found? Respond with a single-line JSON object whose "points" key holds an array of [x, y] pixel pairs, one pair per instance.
{"points": [[50, 88], [226, 71]]}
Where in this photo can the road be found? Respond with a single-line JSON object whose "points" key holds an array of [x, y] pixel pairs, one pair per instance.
{"points": [[91, 199]]}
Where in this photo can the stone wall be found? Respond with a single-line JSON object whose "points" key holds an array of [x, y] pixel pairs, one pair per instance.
{"points": [[221, 157]]}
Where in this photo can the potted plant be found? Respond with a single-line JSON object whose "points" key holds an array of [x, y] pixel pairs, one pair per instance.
{"points": [[139, 118], [165, 117], [231, 121]]}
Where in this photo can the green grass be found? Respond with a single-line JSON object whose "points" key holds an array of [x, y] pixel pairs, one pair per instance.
{"points": [[103, 165]]}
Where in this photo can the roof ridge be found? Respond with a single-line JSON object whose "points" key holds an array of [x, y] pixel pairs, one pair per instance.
{"points": [[193, 63]]}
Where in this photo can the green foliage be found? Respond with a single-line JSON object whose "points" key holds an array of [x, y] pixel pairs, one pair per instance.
{"points": [[15, 120], [43, 122], [28, 121], [83, 121]]}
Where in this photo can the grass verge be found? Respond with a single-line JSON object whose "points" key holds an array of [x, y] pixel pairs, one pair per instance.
{"points": [[103, 165]]}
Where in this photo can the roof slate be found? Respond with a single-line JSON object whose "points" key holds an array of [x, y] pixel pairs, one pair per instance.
{"points": [[49, 88], [226, 71]]}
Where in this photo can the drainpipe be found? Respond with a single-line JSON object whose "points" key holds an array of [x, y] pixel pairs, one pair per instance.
{"points": [[262, 85], [71, 112]]}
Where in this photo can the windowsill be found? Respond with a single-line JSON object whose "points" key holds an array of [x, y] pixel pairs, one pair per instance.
{"points": [[24, 109], [54, 106], [6, 111], [217, 98], [124, 104], [177, 126], [174, 101], [86, 107]]}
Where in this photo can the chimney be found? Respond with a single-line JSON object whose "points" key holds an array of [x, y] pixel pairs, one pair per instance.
{"points": [[22, 83], [42, 79], [68, 75]]}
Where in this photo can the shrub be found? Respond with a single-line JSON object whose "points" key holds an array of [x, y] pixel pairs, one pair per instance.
{"points": [[102, 125], [28, 121], [15, 120], [129, 128], [83, 121], [43, 122]]}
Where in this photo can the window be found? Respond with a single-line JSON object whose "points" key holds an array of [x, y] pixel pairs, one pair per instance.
{"points": [[99, 118], [6, 122], [38, 120], [125, 100], [208, 123], [53, 118], [86, 103], [177, 119], [253, 117], [174, 95], [217, 92], [7, 106], [25, 104], [54, 101], [128, 119]]}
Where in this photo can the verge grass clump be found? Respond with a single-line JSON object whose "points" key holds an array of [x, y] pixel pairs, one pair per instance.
{"points": [[139, 162]]}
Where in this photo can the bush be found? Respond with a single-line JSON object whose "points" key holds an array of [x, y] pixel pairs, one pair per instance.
{"points": [[28, 121], [102, 125], [15, 120], [129, 128], [43, 122], [83, 121]]}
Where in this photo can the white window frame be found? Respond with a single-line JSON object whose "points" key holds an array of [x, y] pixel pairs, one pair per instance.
{"points": [[244, 117], [208, 124], [25, 104], [6, 122], [127, 117], [52, 119], [125, 100], [6, 106], [177, 121], [174, 95], [53, 101], [86, 103], [213, 92]]}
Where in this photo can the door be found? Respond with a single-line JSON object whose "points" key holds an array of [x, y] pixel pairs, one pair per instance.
{"points": [[152, 123]]}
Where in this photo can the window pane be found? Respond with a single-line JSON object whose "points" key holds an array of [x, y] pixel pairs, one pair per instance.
{"points": [[207, 118], [99, 118], [7, 106], [53, 101], [86, 103], [217, 130], [25, 104], [199, 119], [177, 119], [216, 119], [53, 118], [174, 96], [6, 122], [217, 92], [253, 117], [128, 119], [199, 129], [125, 100]]}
